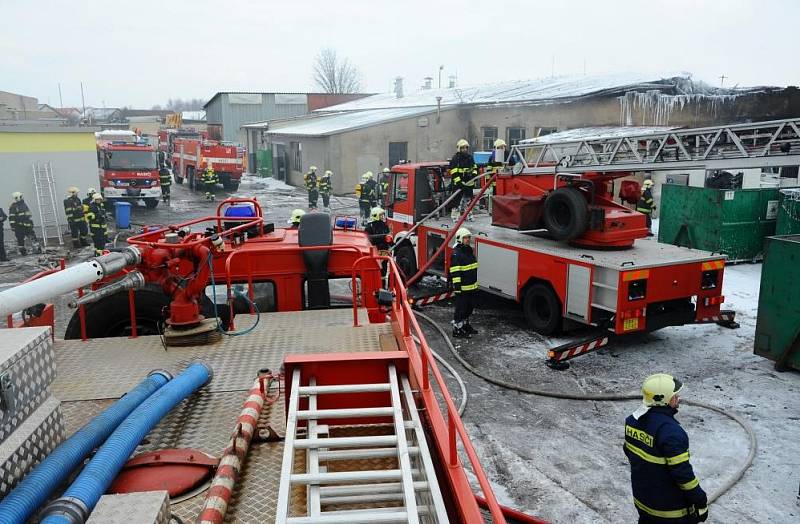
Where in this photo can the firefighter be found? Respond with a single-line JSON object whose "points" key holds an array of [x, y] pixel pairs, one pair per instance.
{"points": [[88, 200], [325, 186], [362, 192], [464, 279], [646, 204], [98, 224], [383, 186], [377, 230], [210, 181], [73, 207], [492, 167], [312, 186], [462, 173], [371, 189], [665, 488], [3, 217], [294, 220], [165, 177], [20, 220]]}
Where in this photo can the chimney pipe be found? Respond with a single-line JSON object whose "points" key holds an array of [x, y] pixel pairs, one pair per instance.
{"points": [[428, 82], [398, 87]]}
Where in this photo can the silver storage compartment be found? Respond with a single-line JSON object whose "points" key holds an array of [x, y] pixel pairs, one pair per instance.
{"points": [[147, 507], [27, 368]]}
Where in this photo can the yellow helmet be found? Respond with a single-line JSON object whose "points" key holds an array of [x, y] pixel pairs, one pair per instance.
{"points": [[499, 143], [367, 175], [648, 183], [97, 197], [658, 389], [17, 196], [72, 190], [377, 214], [462, 233], [385, 169], [312, 169], [297, 214], [462, 143]]}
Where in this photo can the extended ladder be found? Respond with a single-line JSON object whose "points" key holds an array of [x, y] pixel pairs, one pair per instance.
{"points": [[741, 146], [45, 188], [408, 492]]}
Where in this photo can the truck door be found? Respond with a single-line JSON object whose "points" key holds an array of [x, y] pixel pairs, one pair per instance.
{"points": [[579, 280], [400, 206], [423, 194]]}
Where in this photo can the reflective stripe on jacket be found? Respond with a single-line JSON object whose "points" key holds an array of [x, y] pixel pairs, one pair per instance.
{"points": [[645, 204], [463, 269], [73, 207]]}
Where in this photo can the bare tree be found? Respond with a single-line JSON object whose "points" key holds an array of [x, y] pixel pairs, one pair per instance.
{"points": [[335, 75]]}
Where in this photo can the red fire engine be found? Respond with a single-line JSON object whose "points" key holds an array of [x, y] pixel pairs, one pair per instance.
{"points": [[558, 244], [191, 155], [127, 168]]}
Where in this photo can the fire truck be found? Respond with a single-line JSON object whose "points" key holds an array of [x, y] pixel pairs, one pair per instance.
{"points": [[127, 168], [560, 245], [190, 155]]}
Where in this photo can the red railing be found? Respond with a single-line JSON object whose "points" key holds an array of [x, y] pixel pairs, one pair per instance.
{"points": [[424, 364]]}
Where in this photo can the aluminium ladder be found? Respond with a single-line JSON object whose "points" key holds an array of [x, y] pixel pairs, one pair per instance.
{"points": [[45, 188], [763, 144], [413, 484]]}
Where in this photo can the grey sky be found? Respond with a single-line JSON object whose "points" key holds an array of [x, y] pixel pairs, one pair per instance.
{"points": [[142, 52]]}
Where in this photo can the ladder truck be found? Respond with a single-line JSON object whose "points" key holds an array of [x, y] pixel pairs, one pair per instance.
{"points": [[561, 246]]}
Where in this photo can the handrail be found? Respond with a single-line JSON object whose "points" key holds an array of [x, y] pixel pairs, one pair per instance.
{"points": [[145, 238], [402, 313]]}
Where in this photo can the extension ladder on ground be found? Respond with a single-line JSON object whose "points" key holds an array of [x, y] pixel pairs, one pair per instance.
{"points": [[45, 188], [740, 146], [407, 493]]}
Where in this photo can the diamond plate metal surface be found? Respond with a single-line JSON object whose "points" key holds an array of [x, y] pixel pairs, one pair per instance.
{"points": [[27, 368], [150, 507], [33, 440]]}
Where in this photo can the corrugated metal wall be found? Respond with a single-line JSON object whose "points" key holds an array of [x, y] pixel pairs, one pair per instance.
{"points": [[235, 115], [214, 110]]}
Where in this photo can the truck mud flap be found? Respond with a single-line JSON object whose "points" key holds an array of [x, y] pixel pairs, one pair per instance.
{"points": [[726, 318], [557, 357]]}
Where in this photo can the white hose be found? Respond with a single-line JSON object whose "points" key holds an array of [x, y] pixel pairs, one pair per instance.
{"points": [[612, 397]]}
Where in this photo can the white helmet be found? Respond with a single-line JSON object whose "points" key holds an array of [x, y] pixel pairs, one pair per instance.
{"points": [[97, 197], [499, 143], [386, 170], [17, 196], [312, 169], [328, 173], [461, 234], [648, 183], [72, 190], [462, 143]]}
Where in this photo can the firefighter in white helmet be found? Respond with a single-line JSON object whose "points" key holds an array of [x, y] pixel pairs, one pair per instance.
{"points": [[463, 276], [646, 204], [462, 175], [21, 221], [297, 215], [665, 488], [73, 207], [325, 187], [365, 191], [98, 224], [312, 186]]}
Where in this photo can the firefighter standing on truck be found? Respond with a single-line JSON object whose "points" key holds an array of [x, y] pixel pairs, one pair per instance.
{"points": [[19, 218], [462, 173], [312, 187], [646, 204], [383, 186], [98, 224], [325, 187], [464, 279], [210, 181], [492, 167], [165, 178], [665, 488], [362, 192], [73, 207]]}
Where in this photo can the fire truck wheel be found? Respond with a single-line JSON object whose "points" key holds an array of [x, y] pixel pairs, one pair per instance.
{"points": [[178, 178], [566, 214], [110, 316], [151, 203], [230, 185], [542, 309], [406, 261]]}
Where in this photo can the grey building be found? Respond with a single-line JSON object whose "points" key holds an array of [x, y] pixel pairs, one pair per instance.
{"points": [[378, 131]]}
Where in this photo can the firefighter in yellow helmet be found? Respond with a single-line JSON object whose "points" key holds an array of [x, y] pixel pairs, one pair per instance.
{"points": [[365, 191], [325, 187], [312, 186], [294, 220], [377, 229], [210, 181], [98, 224], [646, 204], [665, 488], [462, 175], [21, 221], [463, 275], [73, 207]]}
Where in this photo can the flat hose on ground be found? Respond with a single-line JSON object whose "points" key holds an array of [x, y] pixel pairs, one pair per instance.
{"points": [[40, 483], [611, 397]]}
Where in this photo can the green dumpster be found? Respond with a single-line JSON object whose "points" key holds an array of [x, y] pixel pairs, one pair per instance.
{"points": [[778, 325], [730, 221], [788, 212], [264, 159]]}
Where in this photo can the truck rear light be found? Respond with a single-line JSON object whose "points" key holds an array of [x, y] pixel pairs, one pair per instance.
{"points": [[637, 289], [713, 301], [709, 279], [633, 319]]}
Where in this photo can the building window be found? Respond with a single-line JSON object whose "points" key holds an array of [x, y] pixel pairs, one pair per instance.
{"points": [[296, 149], [489, 136], [546, 131], [514, 135], [398, 151]]}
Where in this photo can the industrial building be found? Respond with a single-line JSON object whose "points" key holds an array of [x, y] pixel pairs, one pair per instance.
{"points": [[226, 112], [72, 155], [380, 130]]}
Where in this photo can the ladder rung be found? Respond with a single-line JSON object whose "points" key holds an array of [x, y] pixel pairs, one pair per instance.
{"points": [[345, 442], [361, 499], [364, 489], [349, 518], [360, 454], [337, 477], [344, 388], [344, 413], [423, 510]]}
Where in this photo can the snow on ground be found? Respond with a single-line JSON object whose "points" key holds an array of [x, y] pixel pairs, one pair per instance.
{"points": [[563, 460]]}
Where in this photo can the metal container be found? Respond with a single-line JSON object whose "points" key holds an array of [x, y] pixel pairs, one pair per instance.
{"points": [[30, 443], [27, 368], [730, 221], [146, 507], [264, 162], [778, 326], [788, 212]]}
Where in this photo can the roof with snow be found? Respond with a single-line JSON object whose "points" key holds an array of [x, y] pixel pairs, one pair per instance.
{"points": [[543, 90], [322, 124], [594, 133], [194, 116]]}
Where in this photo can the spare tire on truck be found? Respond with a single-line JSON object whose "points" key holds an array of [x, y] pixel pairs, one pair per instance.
{"points": [[566, 213]]}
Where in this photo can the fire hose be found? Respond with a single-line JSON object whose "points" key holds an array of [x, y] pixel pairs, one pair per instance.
{"points": [[230, 466], [611, 397]]}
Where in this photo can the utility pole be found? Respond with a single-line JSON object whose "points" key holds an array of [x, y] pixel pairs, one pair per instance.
{"points": [[441, 67], [83, 100], [722, 80], [60, 100]]}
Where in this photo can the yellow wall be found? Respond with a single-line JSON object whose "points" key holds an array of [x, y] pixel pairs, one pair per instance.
{"points": [[46, 142]]}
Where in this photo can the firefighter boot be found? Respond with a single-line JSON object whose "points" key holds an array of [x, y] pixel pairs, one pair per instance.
{"points": [[23, 251], [76, 243], [469, 329]]}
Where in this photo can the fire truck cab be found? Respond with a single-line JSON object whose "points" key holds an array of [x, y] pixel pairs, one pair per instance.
{"points": [[127, 169], [643, 288]]}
